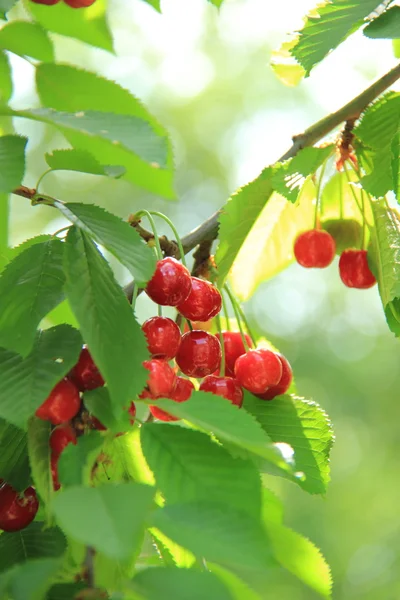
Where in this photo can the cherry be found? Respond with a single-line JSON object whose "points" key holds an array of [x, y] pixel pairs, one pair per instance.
{"points": [[227, 387], [163, 337], [60, 438], [314, 249], [234, 348], [203, 302], [257, 370], [284, 382], [170, 284], [47, 2], [354, 269], [132, 412], [85, 374], [79, 3], [96, 424], [62, 404], [162, 378], [17, 511], [54, 471], [199, 353], [182, 392]]}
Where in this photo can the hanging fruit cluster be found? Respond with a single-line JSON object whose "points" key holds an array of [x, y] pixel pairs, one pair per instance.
{"points": [[71, 3]]}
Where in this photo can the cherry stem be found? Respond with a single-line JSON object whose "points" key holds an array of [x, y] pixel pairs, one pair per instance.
{"points": [[61, 230], [134, 295], [221, 340], [175, 232], [153, 229], [246, 322], [364, 221], [234, 303], [352, 189], [189, 323], [226, 314], [39, 181], [341, 207], [319, 187]]}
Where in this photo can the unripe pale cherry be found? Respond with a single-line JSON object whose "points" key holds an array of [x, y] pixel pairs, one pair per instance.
{"points": [[163, 337], [170, 284], [17, 510], [182, 392], [314, 249], [199, 353], [284, 382], [354, 270], [203, 302], [162, 379], [62, 404], [258, 370], [227, 387]]}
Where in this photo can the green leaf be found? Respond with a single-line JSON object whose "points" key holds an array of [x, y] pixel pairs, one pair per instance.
{"points": [[396, 48], [386, 259], [32, 542], [82, 161], [76, 461], [12, 162], [6, 83], [105, 319], [30, 286], [299, 556], [26, 383], [214, 414], [290, 176], [39, 456], [14, 461], [30, 581], [27, 39], [188, 466], [159, 582], [98, 403], [117, 236], [65, 591], [285, 66], [236, 586], [268, 249], [238, 217], [111, 518], [305, 427], [86, 24], [6, 5], [395, 147], [217, 3], [154, 3], [92, 92], [327, 26], [221, 534], [387, 25]]}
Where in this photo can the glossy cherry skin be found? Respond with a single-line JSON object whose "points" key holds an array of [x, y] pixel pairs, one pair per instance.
{"points": [[227, 387], [314, 249], [85, 374], [354, 270], [60, 438], [17, 511], [54, 471], [234, 348], [163, 337], [170, 284], [258, 370], [284, 382], [62, 404], [79, 3], [182, 392], [203, 302], [162, 378], [199, 353]]}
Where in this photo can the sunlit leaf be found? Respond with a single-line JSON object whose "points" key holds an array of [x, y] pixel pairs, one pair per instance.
{"points": [[12, 161], [285, 66], [82, 161], [386, 26], [27, 39]]}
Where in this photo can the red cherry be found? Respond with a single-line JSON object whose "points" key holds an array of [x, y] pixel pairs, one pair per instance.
{"points": [[284, 382], [62, 404], [162, 378], [163, 337], [54, 471], [199, 353], [85, 374], [132, 412], [79, 3], [314, 249], [182, 392], [170, 284], [17, 511], [354, 269], [203, 302], [60, 438], [47, 2], [96, 424], [227, 387], [257, 370], [234, 348]]}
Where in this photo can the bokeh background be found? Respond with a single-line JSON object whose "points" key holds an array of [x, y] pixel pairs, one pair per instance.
{"points": [[207, 77]]}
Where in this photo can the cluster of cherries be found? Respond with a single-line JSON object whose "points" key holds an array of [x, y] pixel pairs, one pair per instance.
{"points": [[316, 248], [71, 3], [197, 354]]}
